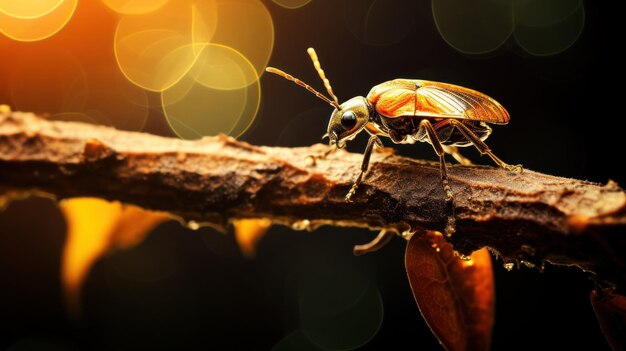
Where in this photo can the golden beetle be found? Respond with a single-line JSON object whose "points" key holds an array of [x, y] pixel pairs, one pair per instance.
{"points": [[410, 110]]}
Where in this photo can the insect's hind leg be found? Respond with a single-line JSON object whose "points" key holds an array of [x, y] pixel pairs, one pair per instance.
{"points": [[436, 143], [483, 148], [382, 239], [454, 151]]}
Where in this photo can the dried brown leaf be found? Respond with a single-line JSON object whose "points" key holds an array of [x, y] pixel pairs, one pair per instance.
{"points": [[610, 309], [455, 296]]}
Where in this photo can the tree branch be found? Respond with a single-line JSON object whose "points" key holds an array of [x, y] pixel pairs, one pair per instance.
{"points": [[526, 218]]}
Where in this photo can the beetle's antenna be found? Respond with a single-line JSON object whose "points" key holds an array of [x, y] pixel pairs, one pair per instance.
{"points": [[320, 71], [288, 76]]}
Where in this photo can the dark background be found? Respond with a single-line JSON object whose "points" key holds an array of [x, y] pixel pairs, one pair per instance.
{"points": [[192, 289]]}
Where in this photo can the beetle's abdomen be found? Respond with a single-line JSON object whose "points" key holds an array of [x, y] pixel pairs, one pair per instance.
{"points": [[449, 135], [406, 130]]}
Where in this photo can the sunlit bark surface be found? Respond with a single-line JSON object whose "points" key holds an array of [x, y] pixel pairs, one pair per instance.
{"points": [[527, 218]]}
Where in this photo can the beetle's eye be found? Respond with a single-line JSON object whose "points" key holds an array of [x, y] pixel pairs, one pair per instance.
{"points": [[348, 119]]}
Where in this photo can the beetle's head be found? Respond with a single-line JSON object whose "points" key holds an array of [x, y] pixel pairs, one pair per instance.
{"points": [[348, 120]]}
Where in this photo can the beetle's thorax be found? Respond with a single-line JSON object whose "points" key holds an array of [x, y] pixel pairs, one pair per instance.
{"points": [[357, 102]]}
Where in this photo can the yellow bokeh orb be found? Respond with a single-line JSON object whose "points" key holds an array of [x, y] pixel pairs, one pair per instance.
{"points": [[218, 100], [134, 7], [28, 9], [246, 26], [41, 22], [154, 50]]}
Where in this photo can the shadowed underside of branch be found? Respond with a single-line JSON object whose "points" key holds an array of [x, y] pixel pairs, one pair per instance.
{"points": [[526, 218]]}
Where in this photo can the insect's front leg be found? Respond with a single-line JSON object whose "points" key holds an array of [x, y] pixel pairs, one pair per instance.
{"points": [[312, 159], [374, 140]]}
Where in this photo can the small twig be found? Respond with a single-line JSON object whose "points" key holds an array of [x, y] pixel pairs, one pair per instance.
{"points": [[526, 218]]}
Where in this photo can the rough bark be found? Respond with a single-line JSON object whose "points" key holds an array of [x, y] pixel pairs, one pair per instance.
{"points": [[526, 218]]}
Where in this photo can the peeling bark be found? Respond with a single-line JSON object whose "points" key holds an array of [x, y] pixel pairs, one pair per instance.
{"points": [[526, 218]]}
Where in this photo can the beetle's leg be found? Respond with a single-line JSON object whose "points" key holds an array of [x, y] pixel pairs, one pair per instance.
{"points": [[373, 140], [385, 150], [312, 159], [483, 148], [454, 151], [382, 239], [373, 130], [436, 143]]}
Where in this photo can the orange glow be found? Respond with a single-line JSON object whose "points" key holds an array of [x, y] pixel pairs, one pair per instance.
{"points": [[34, 25], [94, 227], [103, 61], [89, 224], [134, 224], [248, 233], [480, 258], [57, 85]]}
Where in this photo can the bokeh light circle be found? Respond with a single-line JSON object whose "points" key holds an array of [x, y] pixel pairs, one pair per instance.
{"points": [[291, 4], [134, 7], [378, 22], [115, 101], [553, 39], [296, 341], [542, 13], [28, 9], [339, 311], [155, 50], [37, 27], [248, 27], [474, 27], [203, 21], [222, 67], [193, 109], [154, 59]]}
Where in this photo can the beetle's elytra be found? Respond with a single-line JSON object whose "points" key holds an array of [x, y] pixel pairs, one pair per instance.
{"points": [[410, 110]]}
